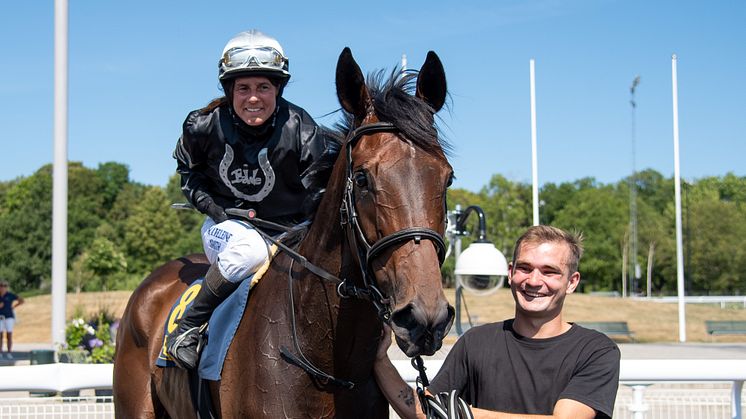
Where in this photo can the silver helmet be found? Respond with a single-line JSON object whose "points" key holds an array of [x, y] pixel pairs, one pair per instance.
{"points": [[253, 53]]}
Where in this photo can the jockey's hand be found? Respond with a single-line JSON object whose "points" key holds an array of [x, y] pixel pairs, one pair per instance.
{"points": [[383, 346], [213, 210]]}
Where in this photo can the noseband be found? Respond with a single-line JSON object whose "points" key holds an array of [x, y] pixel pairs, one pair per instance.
{"points": [[366, 252]]}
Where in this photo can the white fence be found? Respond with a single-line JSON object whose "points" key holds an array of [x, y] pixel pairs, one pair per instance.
{"points": [[637, 398], [722, 300]]}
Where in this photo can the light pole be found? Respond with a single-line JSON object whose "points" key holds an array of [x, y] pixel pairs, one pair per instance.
{"points": [[480, 263], [635, 266]]}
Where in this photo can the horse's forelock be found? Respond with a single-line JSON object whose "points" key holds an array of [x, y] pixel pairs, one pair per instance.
{"points": [[394, 101]]}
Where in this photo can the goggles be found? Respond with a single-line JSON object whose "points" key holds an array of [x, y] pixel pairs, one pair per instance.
{"points": [[264, 57]]}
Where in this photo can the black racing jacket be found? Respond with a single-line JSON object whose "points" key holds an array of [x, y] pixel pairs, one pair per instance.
{"points": [[274, 170]]}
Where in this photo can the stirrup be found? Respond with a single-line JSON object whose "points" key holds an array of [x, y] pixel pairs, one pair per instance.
{"points": [[181, 344]]}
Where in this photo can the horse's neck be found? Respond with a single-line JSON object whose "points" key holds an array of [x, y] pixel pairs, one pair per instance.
{"points": [[352, 323]]}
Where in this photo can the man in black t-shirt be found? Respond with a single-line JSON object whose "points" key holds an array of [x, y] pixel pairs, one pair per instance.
{"points": [[533, 364]]}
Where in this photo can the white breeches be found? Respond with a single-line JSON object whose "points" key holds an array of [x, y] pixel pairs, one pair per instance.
{"points": [[235, 246]]}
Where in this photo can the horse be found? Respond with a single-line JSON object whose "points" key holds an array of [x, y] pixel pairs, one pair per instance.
{"points": [[373, 255]]}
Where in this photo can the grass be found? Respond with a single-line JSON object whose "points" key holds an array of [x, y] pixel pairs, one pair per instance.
{"points": [[649, 321]]}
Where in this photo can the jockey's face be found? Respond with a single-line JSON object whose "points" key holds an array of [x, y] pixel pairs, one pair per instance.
{"points": [[254, 99]]}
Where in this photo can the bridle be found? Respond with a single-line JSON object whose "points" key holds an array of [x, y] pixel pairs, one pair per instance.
{"points": [[366, 252]]}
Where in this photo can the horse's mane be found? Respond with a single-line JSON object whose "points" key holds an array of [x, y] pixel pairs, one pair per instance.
{"points": [[394, 101]]}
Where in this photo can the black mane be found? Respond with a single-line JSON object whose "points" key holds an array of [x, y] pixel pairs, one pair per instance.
{"points": [[394, 101]]}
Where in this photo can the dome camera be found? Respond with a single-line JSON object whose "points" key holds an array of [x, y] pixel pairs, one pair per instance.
{"points": [[481, 268]]}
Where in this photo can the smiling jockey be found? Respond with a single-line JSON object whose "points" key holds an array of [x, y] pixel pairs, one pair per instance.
{"points": [[249, 149]]}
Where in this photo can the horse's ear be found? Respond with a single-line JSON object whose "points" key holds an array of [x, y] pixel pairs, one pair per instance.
{"points": [[431, 82], [351, 90]]}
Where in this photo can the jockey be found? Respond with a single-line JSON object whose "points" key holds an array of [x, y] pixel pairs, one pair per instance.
{"points": [[249, 149]]}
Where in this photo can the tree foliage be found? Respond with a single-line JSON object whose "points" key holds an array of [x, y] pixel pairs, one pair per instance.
{"points": [[119, 230]]}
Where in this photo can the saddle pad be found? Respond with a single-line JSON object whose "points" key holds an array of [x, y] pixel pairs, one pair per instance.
{"points": [[223, 323]]}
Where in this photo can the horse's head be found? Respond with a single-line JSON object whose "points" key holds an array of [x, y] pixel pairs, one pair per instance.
{"points": [[394, 205]]}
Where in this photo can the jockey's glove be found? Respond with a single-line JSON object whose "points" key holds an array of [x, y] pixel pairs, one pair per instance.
{"points": [[207, 206]]}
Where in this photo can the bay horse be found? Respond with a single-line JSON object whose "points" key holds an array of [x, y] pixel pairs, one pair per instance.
{"points": [[379, 227]]}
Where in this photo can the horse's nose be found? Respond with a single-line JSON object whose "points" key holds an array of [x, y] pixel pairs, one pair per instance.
{"points": [[419, 330]]}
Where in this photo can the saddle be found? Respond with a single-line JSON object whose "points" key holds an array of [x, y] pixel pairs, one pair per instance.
{"points": [[214, 342]]}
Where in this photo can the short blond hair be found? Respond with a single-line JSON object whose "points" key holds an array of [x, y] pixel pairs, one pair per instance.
{"points": [[548, 234]]}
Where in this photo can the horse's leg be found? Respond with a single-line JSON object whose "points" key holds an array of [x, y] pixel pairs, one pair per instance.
{"points": [[137, 381], [132, 379], [172, 387]]}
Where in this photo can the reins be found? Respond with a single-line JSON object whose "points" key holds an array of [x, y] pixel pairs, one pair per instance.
{"points": [[365, 253], [445, 405]]}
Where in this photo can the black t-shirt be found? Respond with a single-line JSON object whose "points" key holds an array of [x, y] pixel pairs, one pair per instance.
{"points": [[495, 368]]}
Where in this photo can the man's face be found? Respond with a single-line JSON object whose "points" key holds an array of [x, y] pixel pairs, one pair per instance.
{"points": [[539, 279]]}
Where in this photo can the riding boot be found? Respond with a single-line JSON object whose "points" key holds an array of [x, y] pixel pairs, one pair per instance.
{"points": [[183, 344]]}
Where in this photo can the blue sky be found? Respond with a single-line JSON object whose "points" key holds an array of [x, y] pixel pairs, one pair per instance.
{"points": [[136, 68]]}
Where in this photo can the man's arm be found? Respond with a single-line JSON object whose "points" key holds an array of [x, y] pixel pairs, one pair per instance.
{"points": [[563, 409], [18, 301], [398, 393]]}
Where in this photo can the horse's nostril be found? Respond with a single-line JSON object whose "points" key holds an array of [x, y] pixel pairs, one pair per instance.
{"points": [[405, 318]]}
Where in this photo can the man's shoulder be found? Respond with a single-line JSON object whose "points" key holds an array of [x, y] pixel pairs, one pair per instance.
{"points": [[594, 336]]}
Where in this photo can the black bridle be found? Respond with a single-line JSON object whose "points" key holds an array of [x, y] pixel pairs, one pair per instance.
{"points": [[366, 252]]}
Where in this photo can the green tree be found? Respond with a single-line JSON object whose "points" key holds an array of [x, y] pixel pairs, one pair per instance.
{"points": [[26, 225], [715, 247], [151, 232], [508, 208], [104, 260], [601, 215], [113, 176], [190, 239], [553, 198]]}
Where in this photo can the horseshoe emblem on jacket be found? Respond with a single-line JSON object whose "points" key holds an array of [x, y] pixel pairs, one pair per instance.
{"points": [[269, 175]]}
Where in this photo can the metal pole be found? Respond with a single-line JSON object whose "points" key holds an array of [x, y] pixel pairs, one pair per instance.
{"points": [[459, 289], [59, 185], [735, 399], [534, 164], [635, 266], [638, 406], [677, 193]]}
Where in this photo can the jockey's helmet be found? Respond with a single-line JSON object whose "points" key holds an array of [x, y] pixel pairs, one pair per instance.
{"points": [[253, 53]]}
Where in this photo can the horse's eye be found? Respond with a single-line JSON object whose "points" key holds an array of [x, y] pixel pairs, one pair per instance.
{"points": [[361, 180]]}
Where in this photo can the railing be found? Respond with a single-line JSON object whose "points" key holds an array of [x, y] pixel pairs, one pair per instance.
{"points": [[700, 299], [56, 377], [637, 374]]}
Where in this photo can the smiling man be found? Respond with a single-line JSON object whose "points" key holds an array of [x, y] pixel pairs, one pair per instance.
{"points": [[534, 365]]}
